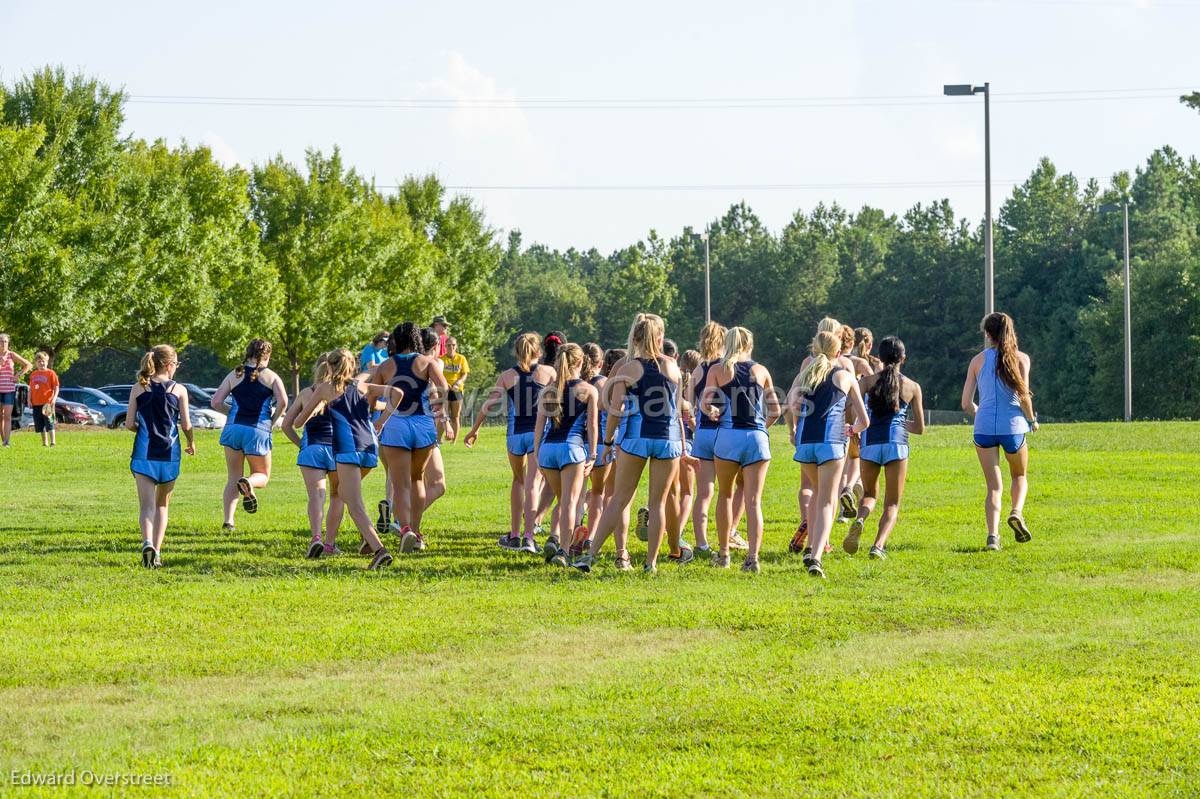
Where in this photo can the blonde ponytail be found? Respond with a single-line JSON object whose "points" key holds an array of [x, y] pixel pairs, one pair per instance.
{"points": [[570, 359], [340, 367], [738, 342], [155, 361], [825, 348]]}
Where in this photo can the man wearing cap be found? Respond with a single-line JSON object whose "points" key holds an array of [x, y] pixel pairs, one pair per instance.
{"points": [[375, 352], [442, 328]]}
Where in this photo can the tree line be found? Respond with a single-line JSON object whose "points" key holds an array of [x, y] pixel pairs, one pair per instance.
{"points": [[112, 242]]}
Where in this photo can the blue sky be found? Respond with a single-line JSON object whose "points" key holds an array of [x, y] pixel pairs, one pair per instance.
{"points": [[513, 54]]}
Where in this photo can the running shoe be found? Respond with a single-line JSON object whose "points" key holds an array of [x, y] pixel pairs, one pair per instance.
{"points": [[750, 566], [365, 549], [993, 543], [849, 506], [539, 530], [643, 524], [529, 545], [385, 516], [420, 541], [510, 542], [148, 555], [394, 527], [249, 501], [649, 568], [815, 570], [737, 542], [381, 559], [409, 540], [228, 528], [584, 562], [623, 563], [720, 561], [315, 549], [808, 558], [704, 550], [797, 543], [684, 557], [857, 488], [877, 553], [579, 534], [559, 559], [550, 548], [331, 551], [850, 544], [157, 559], [1020, 530]]}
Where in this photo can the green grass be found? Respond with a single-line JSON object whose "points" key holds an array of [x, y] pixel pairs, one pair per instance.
{"points": [[1064, 667]]}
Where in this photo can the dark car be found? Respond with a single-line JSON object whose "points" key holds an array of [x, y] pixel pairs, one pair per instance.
{"points": [[198, 401], [67, 412], [109, 406]]}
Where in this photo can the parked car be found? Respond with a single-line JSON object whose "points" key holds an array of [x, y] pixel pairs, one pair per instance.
{"points": [[200, 401], [67, 412], [108, 406], [202, 417]]}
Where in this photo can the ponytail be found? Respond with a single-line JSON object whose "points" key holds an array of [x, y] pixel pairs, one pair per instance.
{"points": [[738, 342], [825, 347], [147, 369], [999, 328], [593, 359], [554, 340], [258, 352], [340, 368], [884, 396], [321, 368], [155, 361], [570, 359], [528, 349]]}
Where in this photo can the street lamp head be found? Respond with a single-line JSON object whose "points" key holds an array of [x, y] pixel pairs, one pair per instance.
{"points": [[958, 89], [1110, 208]]}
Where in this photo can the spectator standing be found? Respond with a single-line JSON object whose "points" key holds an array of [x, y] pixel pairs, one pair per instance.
{"points": [[43, 393]]}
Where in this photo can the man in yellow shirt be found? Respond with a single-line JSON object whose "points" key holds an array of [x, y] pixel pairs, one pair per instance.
{"points": [[456, 369]]}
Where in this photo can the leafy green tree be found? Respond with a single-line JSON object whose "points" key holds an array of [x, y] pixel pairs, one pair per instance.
{"points": [[320, 236], [188, 254], [60, 216]]}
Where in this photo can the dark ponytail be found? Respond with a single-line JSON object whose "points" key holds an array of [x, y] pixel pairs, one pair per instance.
{"points": [[550, 346], [258, 352], [885, 394], [1000, 329]]}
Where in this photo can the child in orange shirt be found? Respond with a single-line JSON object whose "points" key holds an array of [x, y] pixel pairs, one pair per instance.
{"points": [[43, 392]]}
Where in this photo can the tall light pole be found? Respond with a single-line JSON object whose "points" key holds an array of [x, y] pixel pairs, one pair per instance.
{"points": [[989, 267], [707, 278], [1123, 207]]}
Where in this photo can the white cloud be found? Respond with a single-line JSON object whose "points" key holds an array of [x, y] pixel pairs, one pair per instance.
{"points": [[482, 109], [223, 151]]}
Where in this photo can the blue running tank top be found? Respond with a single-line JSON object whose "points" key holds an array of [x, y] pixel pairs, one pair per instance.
{"points": [[523, 398], [251, 403], [653, 409], [350, 417], [999, 412], [414, 388], [704, 422], [318, 430], [157, 412], [824, 417], [743, 400], [888, 428], [573, 422]]}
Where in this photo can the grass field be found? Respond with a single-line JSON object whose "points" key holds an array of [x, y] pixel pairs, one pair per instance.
{"points": [[1063, 667]]}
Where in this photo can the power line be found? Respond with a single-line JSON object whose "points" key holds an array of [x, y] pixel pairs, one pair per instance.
{"points": [[654, 104], [728, 187]]}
